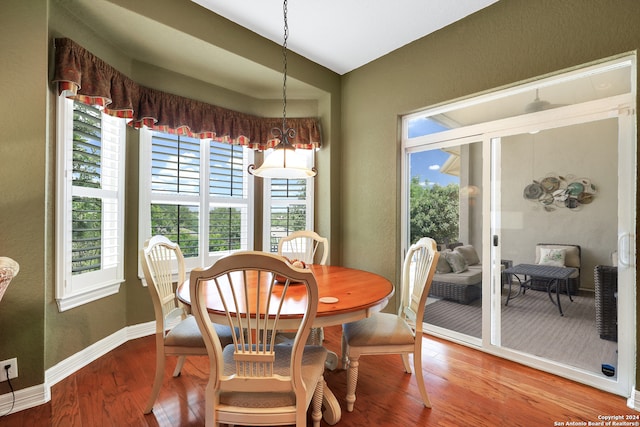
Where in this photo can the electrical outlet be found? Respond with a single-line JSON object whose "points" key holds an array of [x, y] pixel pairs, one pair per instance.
{"points": [[13, 369]]}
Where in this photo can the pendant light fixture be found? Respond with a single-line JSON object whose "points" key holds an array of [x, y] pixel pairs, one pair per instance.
{"points": [[284, 162]]}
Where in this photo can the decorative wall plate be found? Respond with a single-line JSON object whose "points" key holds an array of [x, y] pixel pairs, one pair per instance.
{"points": [[560, 191]]}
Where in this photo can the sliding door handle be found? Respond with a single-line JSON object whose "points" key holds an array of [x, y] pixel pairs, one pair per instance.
{"points": [[624, 249]]}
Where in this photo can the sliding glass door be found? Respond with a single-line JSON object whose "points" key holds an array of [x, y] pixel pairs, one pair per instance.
{"points": [[530, 193], [556, 217]]}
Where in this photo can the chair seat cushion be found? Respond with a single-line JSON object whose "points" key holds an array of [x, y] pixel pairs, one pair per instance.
{"points": [[381, 328], [313, 360], [187, 334]]}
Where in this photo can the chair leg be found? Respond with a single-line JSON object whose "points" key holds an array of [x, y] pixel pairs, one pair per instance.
{"points": [[210, 416], [405, 362], [352, 381], [316, 403], [417, 365], [345, 356], [157, 381], [179, 365]]}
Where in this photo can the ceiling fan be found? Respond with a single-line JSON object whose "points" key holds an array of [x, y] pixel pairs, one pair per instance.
{"points": [[540, 105]]}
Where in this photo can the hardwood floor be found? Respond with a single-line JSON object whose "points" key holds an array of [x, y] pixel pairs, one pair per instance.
{"points": [[466, 387]]}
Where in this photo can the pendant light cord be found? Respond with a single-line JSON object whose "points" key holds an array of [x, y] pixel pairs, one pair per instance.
{"points": [[283, 134], [284, 67]]}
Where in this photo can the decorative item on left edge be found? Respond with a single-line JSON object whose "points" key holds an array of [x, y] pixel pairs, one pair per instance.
{"points": [[8, 270]]}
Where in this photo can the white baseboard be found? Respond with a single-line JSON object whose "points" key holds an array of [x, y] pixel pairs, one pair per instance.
{"points": [[37, 395], [24, 399], [633, 401]]}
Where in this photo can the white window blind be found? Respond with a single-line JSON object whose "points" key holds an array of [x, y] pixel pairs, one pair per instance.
{"points": [[288, 207], [196, 193], [89, 204]]}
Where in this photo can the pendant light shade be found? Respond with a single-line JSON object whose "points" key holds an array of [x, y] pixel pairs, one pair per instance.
{"points": [[284, 162]]}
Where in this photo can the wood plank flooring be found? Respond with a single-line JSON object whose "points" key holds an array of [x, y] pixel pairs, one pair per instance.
{"points": [[467, 388]]}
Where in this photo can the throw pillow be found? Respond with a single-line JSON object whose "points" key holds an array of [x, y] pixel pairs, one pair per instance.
{"points": [[554, 257], [456, 261], [443, 266], [469, 253]]}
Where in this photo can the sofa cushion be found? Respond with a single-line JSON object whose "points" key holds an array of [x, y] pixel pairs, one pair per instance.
{"points": [[571, 254], [443, 266], [549, 256], [456, 261], [472, 276], [469, 253]]}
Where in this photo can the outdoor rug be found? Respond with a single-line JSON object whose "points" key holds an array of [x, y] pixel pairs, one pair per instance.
{"points": [[532, 324]]}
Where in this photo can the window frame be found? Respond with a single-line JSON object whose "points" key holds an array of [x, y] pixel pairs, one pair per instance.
{"points": [[204, 200], [75, 290], [270, 202]]}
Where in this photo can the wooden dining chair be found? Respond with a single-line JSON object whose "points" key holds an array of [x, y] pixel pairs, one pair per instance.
{"points": [[177, 333], [387, 333], [304, 246], [255, 380]]}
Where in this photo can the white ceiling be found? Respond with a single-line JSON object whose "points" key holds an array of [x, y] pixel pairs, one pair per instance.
{"points": [[343, 35]]}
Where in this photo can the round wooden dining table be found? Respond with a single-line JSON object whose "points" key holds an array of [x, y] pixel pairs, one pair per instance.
{"points": [[346, 295]]}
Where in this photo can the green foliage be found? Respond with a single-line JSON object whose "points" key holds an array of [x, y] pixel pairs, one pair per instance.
{"points": [[87, 146], [86, 234], [86, 212], [434, 211], [285, 220], [225, 229], [180, 224], [289, 218], [177, 223]]}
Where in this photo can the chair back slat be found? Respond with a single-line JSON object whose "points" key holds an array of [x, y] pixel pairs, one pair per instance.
{"points": [[304, 246], [163, 267], [418, 270], [250, 288]]}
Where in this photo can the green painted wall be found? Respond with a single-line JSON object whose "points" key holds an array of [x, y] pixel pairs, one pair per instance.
{"points": [[23, 179]]}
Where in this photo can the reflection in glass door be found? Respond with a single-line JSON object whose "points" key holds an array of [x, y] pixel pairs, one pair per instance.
{"points": [[445, 204]]}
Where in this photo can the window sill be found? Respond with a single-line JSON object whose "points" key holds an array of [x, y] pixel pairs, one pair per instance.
{"points": [[71, 301]]}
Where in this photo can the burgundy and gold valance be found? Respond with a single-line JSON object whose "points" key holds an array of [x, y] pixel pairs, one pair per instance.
{"points": [[90, 80]]}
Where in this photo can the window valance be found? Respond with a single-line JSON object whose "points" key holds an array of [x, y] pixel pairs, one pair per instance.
{"points": [[90, 80]]}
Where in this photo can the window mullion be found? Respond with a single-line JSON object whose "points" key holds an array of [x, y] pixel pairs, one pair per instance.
{"points": [[205, 199]]}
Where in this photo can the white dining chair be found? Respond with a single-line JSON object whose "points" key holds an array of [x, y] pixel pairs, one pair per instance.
{"points": [[308, 246], [305, 245], [388, 333], [177, 333], [255, 380]]}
